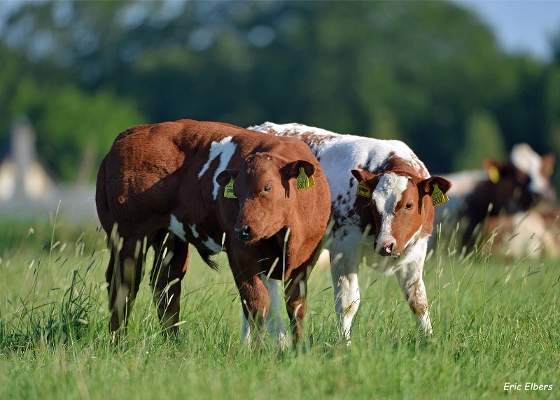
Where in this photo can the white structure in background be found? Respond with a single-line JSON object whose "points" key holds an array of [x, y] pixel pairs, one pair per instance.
{"points": [[21, 175], [27, 190]]}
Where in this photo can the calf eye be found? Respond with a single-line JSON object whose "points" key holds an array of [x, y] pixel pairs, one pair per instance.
{"points": [[409, 206], [267, 188]]}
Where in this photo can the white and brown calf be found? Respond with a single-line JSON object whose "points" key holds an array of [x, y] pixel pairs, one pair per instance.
{"points": [[382, 212], [210, 184]]}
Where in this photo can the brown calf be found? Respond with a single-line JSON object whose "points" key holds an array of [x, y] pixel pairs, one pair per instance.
{"points": [[162, 185]]}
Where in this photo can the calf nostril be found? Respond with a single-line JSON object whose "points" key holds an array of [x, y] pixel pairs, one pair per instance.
{"points": [[243, 232], [387, 249]]}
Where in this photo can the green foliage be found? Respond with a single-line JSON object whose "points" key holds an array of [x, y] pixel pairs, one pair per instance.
{"points": [[483, 140], [416, 71], [70, 123]]}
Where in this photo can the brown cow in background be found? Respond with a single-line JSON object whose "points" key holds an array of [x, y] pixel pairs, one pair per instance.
{"points": [[162, 185]]}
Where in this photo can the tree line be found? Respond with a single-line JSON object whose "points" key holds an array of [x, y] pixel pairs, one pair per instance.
{"points": [[428, 73]]}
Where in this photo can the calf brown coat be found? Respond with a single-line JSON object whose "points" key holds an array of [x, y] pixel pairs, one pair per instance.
{"points": [[161, 185]]}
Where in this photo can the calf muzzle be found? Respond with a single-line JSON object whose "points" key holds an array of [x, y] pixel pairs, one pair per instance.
{"points": [[243, 232], [387, 248]]}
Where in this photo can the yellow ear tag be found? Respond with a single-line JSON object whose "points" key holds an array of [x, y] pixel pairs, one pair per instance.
{"points": [[493, 174], [363, 190], [438, 197], [228, 190], [303, 181]]}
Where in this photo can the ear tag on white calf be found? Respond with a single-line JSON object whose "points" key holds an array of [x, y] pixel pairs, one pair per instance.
{"points": [[303, 181], [438, 197], [493, 174], [363, 190], [228, 190]]}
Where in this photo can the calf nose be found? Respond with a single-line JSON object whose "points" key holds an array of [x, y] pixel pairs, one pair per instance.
{"points": [[243, 233], [387, 248]]}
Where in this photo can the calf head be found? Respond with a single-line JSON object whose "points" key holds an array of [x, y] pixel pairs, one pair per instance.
{"points": [[402, 207], [262, 189], [520, 183]]}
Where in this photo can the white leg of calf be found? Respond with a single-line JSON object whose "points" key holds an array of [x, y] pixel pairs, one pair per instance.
{"points": [[245, 329], [424, 323], [411, 283], [346, 294], [274, 323]]}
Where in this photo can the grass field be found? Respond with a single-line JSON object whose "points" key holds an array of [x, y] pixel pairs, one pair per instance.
{"points": [[495, 323]]}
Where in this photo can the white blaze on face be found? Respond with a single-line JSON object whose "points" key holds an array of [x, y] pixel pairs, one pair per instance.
{"points": [[524, 158], [223, 149], [386, 195]]}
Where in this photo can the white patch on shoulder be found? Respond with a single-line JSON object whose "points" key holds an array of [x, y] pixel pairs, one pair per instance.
{"points": [[223, 149], [386, 195], [524, 158], [177, 228], [212, 246], [193, 231]]}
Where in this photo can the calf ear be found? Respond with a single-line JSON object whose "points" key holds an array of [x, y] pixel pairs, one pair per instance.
{"points": [[224, 177], [363, 176], [426, 187], [495, 170], [291, 170]]}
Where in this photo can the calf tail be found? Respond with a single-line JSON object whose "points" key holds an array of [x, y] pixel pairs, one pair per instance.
{"points": [[101, 202]]}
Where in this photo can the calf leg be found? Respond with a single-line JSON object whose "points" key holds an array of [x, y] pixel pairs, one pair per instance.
{"points": [[344, 273], [412, 285], [123, 275], [255, 303], [296, 303], [273, 322], [170, 266]]}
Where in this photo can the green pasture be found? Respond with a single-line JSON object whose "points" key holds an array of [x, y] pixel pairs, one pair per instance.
{"points": [[495, 322]]}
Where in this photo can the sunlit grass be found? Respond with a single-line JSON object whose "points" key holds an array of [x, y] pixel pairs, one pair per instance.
{"points": [[494, 322]]}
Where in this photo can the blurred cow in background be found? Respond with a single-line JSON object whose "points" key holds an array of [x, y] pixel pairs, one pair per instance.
{"points": [[533, 234], [502, 188]]}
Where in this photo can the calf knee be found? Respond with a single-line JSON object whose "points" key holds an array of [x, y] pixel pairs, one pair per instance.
{"points": [[416, 298]]}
